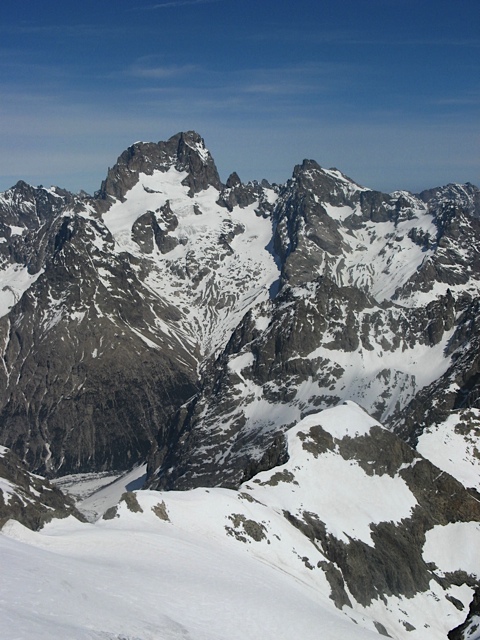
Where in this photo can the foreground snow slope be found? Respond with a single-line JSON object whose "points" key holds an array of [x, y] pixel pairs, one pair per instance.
{"points": [[295, 552], [148, 580]]}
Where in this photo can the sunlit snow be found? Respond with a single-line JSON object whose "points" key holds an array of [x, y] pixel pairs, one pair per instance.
{"points": [[453, 446], [220, 564], [14, 281], [212, 291]]}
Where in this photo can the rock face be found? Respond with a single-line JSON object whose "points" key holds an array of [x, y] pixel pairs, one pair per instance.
{"points": [[28, 498], [81, 387]]}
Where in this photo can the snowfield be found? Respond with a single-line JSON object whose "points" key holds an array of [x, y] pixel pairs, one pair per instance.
{"points": [[211, 564], [143, 579], [241, 277], [453, 446]]}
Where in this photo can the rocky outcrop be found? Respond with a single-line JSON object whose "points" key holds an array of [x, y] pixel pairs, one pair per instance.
{"points": [[467, 195], [28, 498]]}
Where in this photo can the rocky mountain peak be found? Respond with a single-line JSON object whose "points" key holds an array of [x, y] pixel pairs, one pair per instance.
{"points": [[233, 180], [184, 151], [25, 206], [329, 185], [466, 196]]}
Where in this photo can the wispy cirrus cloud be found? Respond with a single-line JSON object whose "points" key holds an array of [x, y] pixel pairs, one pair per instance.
{"points": [[82, 30], [180, 3], [300, 79], [159, 72], [357, 38], [471, 98]]}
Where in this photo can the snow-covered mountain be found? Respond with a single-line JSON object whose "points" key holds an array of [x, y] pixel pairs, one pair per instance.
{"points": [[216, 330]]}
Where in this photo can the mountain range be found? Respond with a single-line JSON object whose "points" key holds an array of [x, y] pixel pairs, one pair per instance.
{"points": [[298, 362]]}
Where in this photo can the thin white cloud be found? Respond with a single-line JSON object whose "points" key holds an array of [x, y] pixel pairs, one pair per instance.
{"points": [[291, 80], [82, 30], [354, 37], [300, 79], [462, 100], [162, 71], [180, 3]]}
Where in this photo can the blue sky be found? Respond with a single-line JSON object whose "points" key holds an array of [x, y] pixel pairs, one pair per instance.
{"points": [[388, 91]]}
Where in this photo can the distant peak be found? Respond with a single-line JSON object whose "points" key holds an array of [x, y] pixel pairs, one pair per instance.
{"points": [[185, 151], [233, 180], [307, 165], [329, 185]]}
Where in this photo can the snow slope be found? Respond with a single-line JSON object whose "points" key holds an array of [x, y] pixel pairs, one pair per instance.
{"points": [[143, 579], [217, 264], [221, 564], [453, 446]]}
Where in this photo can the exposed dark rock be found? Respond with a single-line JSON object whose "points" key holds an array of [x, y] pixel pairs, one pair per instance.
{"points": [[242, 527], [184, 151], [393, 565], [470, 627], [468, 195], [337, 584], [160, 510], [32, 500], [131, 501]]}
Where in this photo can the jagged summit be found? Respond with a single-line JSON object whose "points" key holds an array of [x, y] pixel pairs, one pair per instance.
{"points": [[467, 194], [183, 151], [331, 185]]}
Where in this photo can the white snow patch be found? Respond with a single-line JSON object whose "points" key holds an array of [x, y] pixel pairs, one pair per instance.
{"points": [[349, 185], [454, 547], [8, 489], [455, 448], [342, 421], [262, 322], [14, 281], [241, 362], [347, 507], [201, 150], [338, 213]]}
